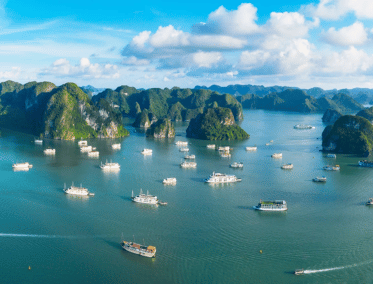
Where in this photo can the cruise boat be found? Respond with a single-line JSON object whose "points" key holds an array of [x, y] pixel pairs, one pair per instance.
{"points": [[251, 148], [77, 190], [267, 144], [277, 205], [110, 166], [370, 201], [116, 146], [171, 181], [299, 272], [190, 157], [332, 168], [145, 198], [211, 146], [331, 156], [38, 141], [224, 148], [50, 151], [365, 163], [236, 165], [188, 164], [147, 251], [147, 152], [85, 149], [287, 166], [186, 149], [225, 154], [303, 126], [277, 155], [93, 154], [181, 143], [82, 143], [22, 166], [221, 178], [319, 179]]}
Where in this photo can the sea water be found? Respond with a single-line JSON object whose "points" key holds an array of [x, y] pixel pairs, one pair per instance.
{"points": [[206, 233]]}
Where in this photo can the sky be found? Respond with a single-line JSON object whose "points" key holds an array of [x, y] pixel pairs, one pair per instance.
{"points": [[146, 44]]}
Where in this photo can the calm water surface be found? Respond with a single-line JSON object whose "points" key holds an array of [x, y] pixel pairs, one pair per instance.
{"points": [[206, 233]]}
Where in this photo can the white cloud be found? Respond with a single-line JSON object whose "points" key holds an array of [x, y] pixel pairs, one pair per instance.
{"points": [[334, 9], [289, 25], [348, 61], [207, 59], [85, 69], [351, 35], [12, 74], [169, 37], [236, 22], [133, 60]]}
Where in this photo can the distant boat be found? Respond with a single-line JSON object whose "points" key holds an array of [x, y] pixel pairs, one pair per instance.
{"points": [[82, 143], [185, 149], [22, 166], [93, 154], [370, 201], [116, 146], [319, 179], [236, 165], [38, 141], [171, 181], [191, 157], [251, 148], [287, 166], [181, 143], [331, 156], [277, 205], [277, 155], [145, 198], [147, 152], [211, 146], [85, 149], [50, 151], [303, 126], [77, 190], [147, 251], [110, 166], [224, 148], [332, 168], [365, 163], [188, 164], [299, 272], [221, 178]]}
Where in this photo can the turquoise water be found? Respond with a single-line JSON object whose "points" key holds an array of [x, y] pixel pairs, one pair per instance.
{"points": [[206, 233]]}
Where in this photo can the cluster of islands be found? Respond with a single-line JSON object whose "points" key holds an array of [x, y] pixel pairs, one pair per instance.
{"points": [[69, 112]]}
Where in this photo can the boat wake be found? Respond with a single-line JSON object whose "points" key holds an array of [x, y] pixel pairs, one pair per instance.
{"points": [[323, 270], [46, 236]]}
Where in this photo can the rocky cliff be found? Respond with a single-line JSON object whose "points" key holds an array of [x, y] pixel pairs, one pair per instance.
{"points": [[331, 116], [163, 128]]}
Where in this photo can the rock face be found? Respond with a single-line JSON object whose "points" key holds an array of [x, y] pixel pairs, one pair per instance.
{"points": [[163, 128], [366, 113], [331, 116], [349, 135], [215, 124]]}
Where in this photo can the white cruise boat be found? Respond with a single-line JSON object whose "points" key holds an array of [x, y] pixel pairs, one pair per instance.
{"points": [[77, 190], [50, 151], [319, 179], [85, 149], [38, 141], [277, 155], [190, 157], [145, 198], [82, 143], [236, 165], [188, 164], [147, 251], [116, 146], [185, 149], [251, 148], [224, 148], [331, 156], [287, 166], [332, 168], [147, 152], [94, 154], [225, 154], [221, 178], [171, 181], [22, 166], [181, 143], [211, 146], [110, 166], [277, 205], [303, 126]]}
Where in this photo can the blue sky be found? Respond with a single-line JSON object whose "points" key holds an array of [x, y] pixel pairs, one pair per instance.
{"points": [[323, 43]]}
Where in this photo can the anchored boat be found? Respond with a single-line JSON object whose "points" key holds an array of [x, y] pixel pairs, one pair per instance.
{"points": [[147, 251], [77, 190], [277, 205]]}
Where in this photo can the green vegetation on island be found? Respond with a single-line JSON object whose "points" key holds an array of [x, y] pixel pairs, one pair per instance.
{"points": [[366, 113], [331, 116], [64, 112], [163, 128], [349, 135], [215, 124]]}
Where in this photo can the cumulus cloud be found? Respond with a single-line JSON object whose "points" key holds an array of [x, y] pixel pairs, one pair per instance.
{"points": [[236, 22], [13, 73], [334, 9], [85, 69], [351, 35]]}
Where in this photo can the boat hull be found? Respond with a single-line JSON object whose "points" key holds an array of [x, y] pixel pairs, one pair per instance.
{"points": [[269, 209]]}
